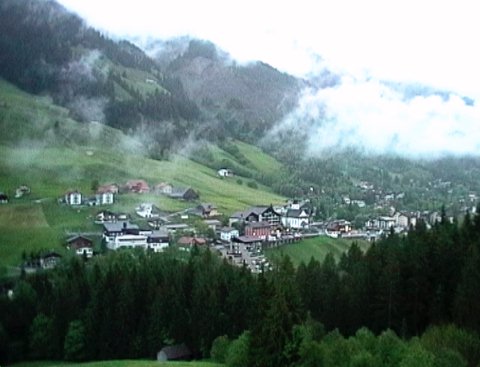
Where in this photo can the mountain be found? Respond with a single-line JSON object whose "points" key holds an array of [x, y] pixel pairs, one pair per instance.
{"points": [[244, 100]]}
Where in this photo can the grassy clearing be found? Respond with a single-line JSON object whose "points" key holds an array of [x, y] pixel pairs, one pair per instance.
{"points": [[317, 248], [260, 160], [120, 363]]}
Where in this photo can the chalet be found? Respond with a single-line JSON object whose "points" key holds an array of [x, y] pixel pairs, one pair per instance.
{"points": [[337, 228], [249, 241], [137, 186], [257, 214], [163, 188], [224, 172], [183, 193], [158, 240], [73, 198], [104, 196], [3, 198], [82, 246], [174, 353], [50, 259], [228, 233], [174, 227], [258, 229], [207, 210]]}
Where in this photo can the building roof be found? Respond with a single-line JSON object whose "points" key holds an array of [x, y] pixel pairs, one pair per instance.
{"points": [[119, 226], [247, 239], [79, 242], [296, 213], [228, 229], [187, 240], [179, 351], [212, 222]]}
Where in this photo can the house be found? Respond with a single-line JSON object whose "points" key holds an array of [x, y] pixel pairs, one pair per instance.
{"points": [[3, 198], [163, 188], [147, 210], [225, 172], [82, 245], [158, 240], [73, 198], [21, 191], [183, 193], [174, 353], [50, 259], [174, 227], [137, 186], [188, 241], [106, 216], [257, 214], [337, 228], [104, 195], [401, 220], [113, 230], [212, 223], [228, 233], [258, 229], [207, 210], [359, 203]]}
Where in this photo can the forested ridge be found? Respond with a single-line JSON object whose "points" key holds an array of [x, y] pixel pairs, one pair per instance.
{"points": [[129, 304]]}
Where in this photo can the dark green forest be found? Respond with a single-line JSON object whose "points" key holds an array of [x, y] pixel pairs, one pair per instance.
{"points": [[130, 304]]}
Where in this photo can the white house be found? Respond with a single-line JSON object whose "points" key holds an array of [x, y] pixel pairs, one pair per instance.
{"points": [[228, 233], [146, 210], [128, 241], [224, 172], [73, 198], [104, 198]]}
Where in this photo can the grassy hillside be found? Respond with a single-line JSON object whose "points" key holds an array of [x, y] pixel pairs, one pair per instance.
{"points": [[317, 248], [40, 146], [119, 363]]}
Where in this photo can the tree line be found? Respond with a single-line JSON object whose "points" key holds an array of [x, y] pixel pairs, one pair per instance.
{"points": [[130, 304]]}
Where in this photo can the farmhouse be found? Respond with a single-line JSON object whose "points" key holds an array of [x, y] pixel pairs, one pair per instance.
{"points": [[49, 260], [147, 210], [163, 188], [113, 188], [337, 228], [212, 223], [21, 191], [225, 172], [183, 193], [3, 198], [82, 246], [137, 186], [174, 353], [73, 198], [207, 210], [187, 241]]}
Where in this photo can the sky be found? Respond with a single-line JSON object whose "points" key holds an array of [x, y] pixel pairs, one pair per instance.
{"points": [[367, 43]]}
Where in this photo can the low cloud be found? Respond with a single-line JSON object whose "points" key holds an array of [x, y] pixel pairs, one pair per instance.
{"points": [[375, 117]]}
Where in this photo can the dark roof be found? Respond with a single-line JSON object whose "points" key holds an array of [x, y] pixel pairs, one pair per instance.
{"points": [[119, 226], [295, 213], [179, 351], [180, 192], [247, 239], [77, 242]]}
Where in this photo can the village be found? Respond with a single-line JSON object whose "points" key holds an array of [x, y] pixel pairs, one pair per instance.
{"points": [[241, 238]]}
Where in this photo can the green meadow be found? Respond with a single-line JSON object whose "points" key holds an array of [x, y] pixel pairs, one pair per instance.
{"points": [[43, 148], [317, 247]]}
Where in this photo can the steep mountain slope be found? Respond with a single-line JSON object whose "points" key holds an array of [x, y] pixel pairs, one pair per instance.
{"points": [[245, 100]]}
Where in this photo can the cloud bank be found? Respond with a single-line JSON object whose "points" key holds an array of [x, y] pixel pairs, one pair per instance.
{"points": [[375, 118]]}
